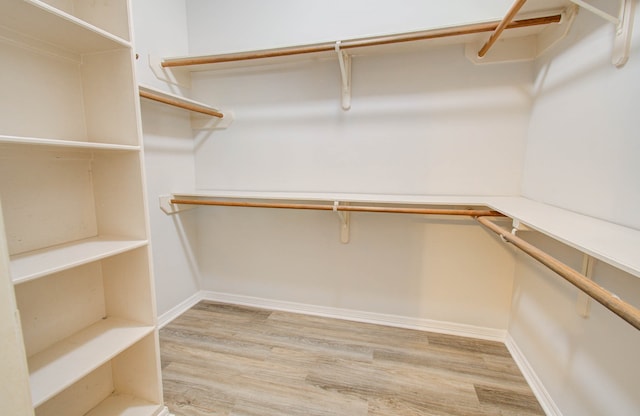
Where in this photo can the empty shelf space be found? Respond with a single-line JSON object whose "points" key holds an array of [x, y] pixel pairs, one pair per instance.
{"points": [[125, 405], [67, 361], [41, 21], [66, 144], [35, 264]]}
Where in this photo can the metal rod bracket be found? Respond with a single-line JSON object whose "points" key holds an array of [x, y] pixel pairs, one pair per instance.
{"points": [[344, 59]]}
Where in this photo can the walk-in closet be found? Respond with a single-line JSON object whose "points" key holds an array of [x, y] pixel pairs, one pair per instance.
{"points": [[289, 207]]}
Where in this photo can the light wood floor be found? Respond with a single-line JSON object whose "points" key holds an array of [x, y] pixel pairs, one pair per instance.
{"points": [[221, 359]]}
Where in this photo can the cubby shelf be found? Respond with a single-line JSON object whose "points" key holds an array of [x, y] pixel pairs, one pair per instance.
{"points": [[66, 144], [124, 405], [41, 21], [59, 366], [38, 263]]}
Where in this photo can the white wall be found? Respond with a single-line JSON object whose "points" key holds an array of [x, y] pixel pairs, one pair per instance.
{"points": [[219, 26], [589, 366], [426, 122], [421, 122], [582, 146], [160, 29], [582, 155]]}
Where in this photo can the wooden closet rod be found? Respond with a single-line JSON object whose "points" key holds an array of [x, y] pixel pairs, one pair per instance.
{"points": [[511, 14], [621, 308], [350, 208], [181, 104], [364, 42]]}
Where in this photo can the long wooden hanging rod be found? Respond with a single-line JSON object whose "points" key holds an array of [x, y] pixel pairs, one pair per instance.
{"points": [[621, 308], [363, 42], [181, 104], [511, 14], [349, 208]]}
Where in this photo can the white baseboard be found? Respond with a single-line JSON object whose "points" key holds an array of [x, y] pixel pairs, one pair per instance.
{"points": [[179, 309], [421, 324], [541, 393]]}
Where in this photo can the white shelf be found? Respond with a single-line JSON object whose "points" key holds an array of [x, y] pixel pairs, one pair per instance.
{"points": [[125, 405], [66, 144], [612, 243], [58, 367], [45, 23], [341, 197], [35, 264]]}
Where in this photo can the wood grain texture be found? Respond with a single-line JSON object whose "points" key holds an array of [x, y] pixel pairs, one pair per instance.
{"points": [[220, 359]]}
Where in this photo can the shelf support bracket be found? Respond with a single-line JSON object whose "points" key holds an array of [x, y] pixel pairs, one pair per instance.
{"points": [[583, 304], [345, 219], [344, 59], [624, 25]]}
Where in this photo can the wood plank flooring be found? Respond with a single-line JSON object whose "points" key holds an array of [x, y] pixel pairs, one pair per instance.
{"points": [[220, 359]]}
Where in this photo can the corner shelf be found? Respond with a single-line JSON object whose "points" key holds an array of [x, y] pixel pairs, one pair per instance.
{"points": [[611, 243]]}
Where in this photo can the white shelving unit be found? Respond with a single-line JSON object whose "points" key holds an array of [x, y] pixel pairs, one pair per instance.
{"points": [[73, 203]]}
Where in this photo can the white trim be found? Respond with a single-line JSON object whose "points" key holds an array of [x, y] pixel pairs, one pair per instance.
{"points": [[420, 324], [179, 309], [544, 398], [165, 412]]}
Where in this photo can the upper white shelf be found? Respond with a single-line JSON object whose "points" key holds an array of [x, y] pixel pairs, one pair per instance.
{"points": [[38, 20], [612, 243], [35, 264]]}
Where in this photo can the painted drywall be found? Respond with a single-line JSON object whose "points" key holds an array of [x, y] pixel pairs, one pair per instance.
{"points": [[422, 122], [582, 152], [219, 26], [582, 146], [160, 28], [588, 366], [411, 266], [426, 122]]}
